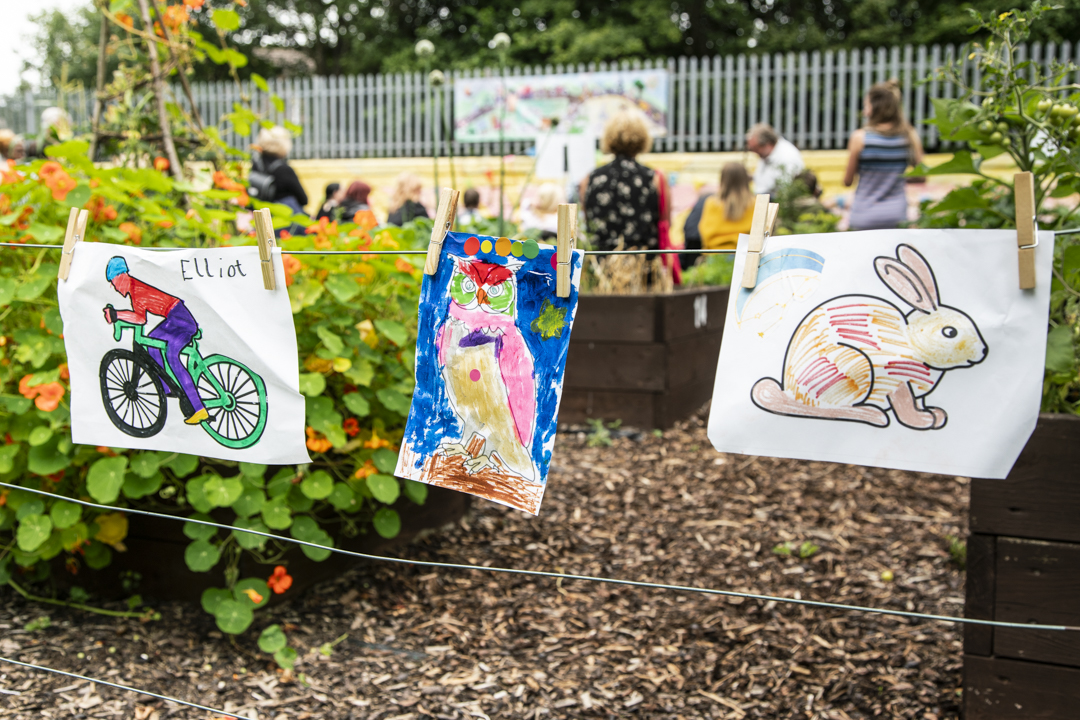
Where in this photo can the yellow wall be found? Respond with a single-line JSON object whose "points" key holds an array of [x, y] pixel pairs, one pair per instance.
{"points": [[691, 169]]}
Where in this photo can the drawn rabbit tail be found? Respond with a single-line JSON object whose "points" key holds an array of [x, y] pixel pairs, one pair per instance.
{"points": [[855, 357]]}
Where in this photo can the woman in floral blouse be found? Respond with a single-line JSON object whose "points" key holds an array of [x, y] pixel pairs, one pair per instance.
{"points": [[622, 198]]}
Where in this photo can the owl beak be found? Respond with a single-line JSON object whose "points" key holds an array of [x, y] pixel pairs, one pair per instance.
{"points": [[481, 296]]}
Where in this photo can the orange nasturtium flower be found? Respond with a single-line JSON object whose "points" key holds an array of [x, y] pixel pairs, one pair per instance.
{"points": [[351, 426], [365, 219], [175, 16], [403, 265], [161, 164], [49, 396], [292, 266], [125, 20], [365, 470], [132, 231], [56, 179], [253, 595], [316, 442], [280, 581], [377, 442], [10, 175], [99, 211], [194, 4]]}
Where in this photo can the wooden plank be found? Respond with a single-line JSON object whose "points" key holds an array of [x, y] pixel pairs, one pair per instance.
{"points": [[633, 409], [679, 403], [616, 366], [740, 99], [680, 80], [814, 130], [979, 593], [689, 313], [788, 131], [766, 80], [1003, 689], [719, 139], [801, 127], [754, 113], [1037, 581], [692, 361], [1040, 498], [609, 318], [731, 140]]}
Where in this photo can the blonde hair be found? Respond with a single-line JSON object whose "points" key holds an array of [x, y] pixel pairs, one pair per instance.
{"points": [[735, 193], [548, 199], [626, 134], [406, 187], [275, 140], [7, 137]]}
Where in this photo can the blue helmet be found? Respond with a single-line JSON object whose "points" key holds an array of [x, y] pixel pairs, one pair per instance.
{"points": [[117, 266]]}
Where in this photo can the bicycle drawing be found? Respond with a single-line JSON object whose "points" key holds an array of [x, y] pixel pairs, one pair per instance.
{"points": [[222, 395]]}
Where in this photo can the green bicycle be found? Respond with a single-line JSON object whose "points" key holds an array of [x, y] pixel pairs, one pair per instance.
{"points": [[134, 388]]}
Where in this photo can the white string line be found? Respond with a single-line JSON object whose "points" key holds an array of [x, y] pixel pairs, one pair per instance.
{"points": [[122, 687], [670, 251], [559, 575]]}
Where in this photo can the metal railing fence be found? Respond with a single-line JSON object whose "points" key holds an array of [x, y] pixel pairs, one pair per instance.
{"points": [[813, 98]]}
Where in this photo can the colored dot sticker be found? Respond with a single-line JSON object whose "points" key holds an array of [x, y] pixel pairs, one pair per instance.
{"points": [[516, 249], [486, 246], [472, 246], [474, 375], [532, 249], [554, 261], [502, 246]]}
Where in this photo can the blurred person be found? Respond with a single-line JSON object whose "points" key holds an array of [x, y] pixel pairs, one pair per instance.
{"points": [[335, 195], [55, 129], [623, 198], [471, 213], [729, 212], [405, 200], [10, 148], [692, 231], [779, 158], [879, 154], [356, 200], [271, 178], [543, 214]]}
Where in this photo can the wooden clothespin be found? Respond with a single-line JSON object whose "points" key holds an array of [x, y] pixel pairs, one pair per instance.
{"points": [[76, 228], [444, 222], [1026, 238], [566, 242], [760, 228], [264, 235]]}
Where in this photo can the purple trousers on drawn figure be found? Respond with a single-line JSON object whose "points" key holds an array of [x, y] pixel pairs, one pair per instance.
{"points": [[176, 331]]}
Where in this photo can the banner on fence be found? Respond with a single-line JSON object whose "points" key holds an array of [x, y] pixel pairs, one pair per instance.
{"points": [[576, 103], [908, 349], [182, 351], [490, 355]]}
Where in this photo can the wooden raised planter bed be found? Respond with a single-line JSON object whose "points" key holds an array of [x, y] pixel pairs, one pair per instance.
{"points": [[1023, 565], [647, 360]]}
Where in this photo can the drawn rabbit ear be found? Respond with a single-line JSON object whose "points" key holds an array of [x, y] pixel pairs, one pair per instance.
{"points": [[903, 281], [911, 257]]}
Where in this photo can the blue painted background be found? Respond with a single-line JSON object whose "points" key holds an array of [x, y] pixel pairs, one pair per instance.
{"points": [[431, 418]]}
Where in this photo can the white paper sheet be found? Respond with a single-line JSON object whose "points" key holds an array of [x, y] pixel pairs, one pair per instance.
{"points": [[246, 337], [823, 353]]}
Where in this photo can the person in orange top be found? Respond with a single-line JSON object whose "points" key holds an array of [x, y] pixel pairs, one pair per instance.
{"points": [[729, 212]]}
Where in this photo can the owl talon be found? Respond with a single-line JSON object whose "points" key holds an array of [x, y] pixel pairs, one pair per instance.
{"points": [[454, 450], [477, 464]]}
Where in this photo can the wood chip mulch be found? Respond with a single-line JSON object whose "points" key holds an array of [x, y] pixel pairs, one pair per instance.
{"points": [[431, 643]]}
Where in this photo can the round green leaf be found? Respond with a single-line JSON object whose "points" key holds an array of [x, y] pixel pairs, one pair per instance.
{"points": [[196, 494], [384, 488], [40, 435], [385, 460], [319, 554], [64, 514], [198, 531], [312, 384], [213, 597], [48, 459], [222, 492], [200, 556], [254, 584], [286, 658], [233, 617], [105, 478], [304, 528], [137, 486], [343, 498], [52, 546], [250, 502], [33, 531], [247, 540], [146, 464], [298, 501], [276, 514], [272, 639], [253, 470], [386, 522], [183, 465], [97, 555], [317, 485], [226, 20], [74, 535], [281, 483], [33, 506], [416, 491]]}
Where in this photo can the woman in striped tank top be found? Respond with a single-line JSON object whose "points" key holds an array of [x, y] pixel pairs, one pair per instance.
{"points": [[879, 154]]}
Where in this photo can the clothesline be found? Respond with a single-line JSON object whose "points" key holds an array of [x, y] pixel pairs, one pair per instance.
{"points": [[670, 251], [557, 575]]}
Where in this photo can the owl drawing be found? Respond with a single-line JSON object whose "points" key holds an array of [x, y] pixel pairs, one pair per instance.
{"points": [[488, 368]]}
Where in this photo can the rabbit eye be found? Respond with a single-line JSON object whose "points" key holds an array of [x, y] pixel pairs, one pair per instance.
{"points": [[949, 332]]}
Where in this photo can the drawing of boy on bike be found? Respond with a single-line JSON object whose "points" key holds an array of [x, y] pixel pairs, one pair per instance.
{"points": [[176, 330]]}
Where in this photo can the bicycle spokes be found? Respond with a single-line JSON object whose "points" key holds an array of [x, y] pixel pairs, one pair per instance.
{"points": [[236, 400], [133, 399]]}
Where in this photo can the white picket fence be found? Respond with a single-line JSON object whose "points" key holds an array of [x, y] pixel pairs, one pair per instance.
{"points": [[814, 99]]}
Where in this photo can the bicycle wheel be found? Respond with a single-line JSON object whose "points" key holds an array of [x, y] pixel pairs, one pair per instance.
{"points": [[238, 412], [133, 399]]}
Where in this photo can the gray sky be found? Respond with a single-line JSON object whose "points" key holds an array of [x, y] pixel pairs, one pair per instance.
{"points": [[14, 29]]}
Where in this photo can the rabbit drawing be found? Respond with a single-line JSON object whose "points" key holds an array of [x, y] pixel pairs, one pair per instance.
{"points": [[855, 357]]}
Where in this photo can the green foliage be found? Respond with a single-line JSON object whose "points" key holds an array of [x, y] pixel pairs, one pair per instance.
{"points": [[1031, 115], [957, 551], [803, 551]]}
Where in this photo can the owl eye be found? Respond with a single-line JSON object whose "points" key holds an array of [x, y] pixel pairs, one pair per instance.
{"points": [[949, 332], [468, 285], [495, 291]]}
